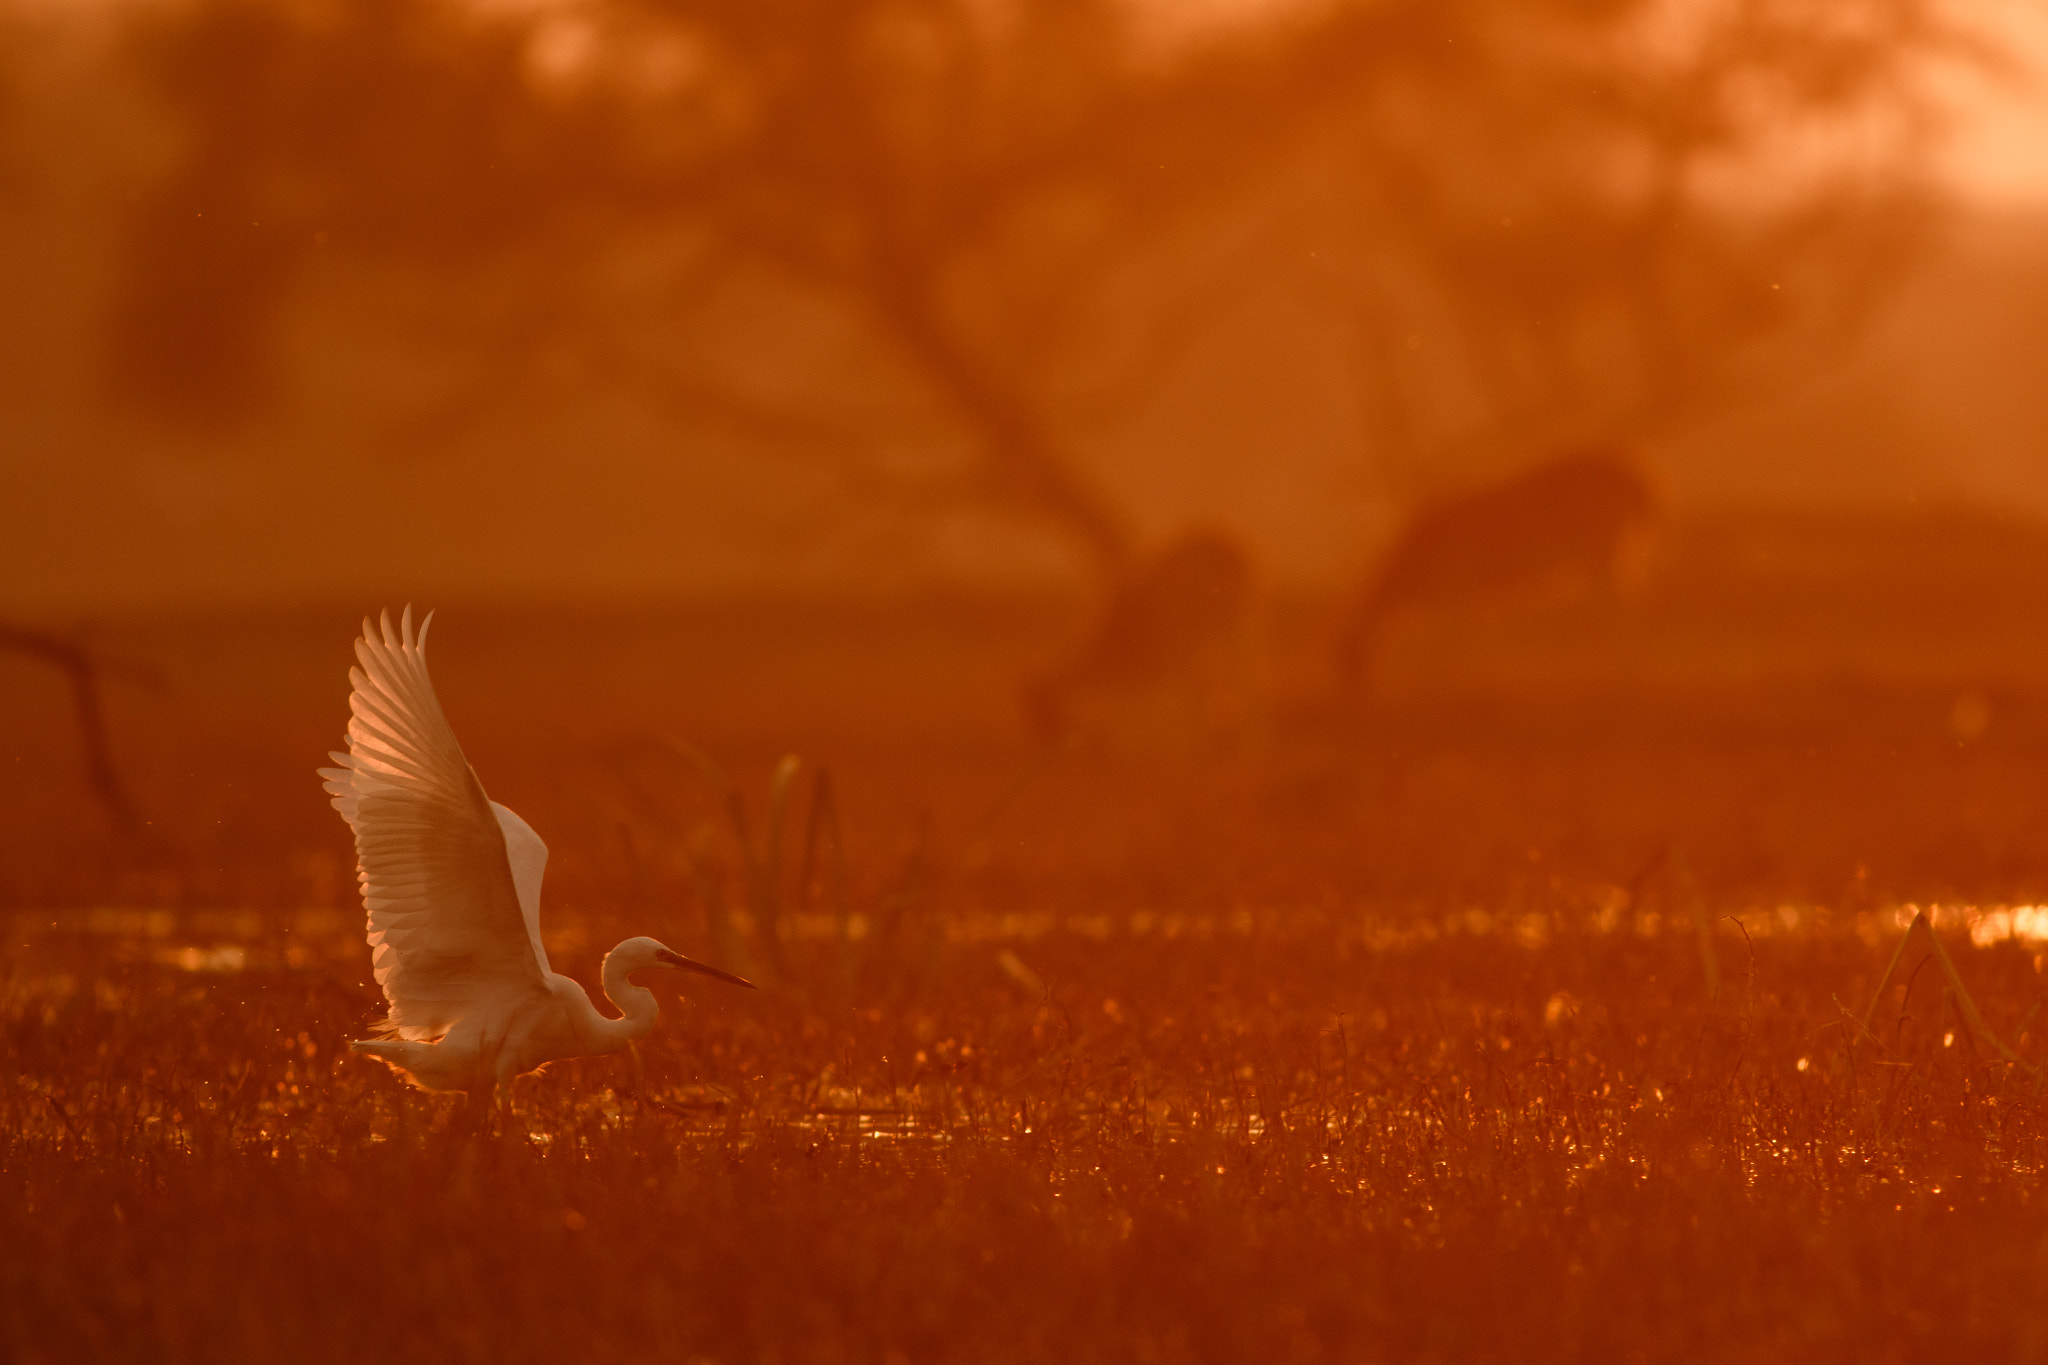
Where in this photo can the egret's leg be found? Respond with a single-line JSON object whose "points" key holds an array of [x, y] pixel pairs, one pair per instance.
{"points": [[507, 1112], [639, 1076], [463, 1118]]}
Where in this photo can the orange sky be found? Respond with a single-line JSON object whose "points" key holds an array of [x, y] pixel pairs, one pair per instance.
{"points": [[1999, 150], [1999, 145]]}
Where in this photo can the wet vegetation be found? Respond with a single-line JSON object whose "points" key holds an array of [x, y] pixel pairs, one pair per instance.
{"points": [[1476, 1021], [1248, 855], [1300, 1147]]}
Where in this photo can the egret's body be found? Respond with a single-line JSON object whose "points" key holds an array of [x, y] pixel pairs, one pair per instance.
{"points": [[451, 881]]}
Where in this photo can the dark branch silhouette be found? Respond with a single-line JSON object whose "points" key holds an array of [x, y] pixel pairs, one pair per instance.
{"points": [[82, 671]]}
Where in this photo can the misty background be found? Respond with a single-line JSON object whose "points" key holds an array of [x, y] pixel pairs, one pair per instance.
{"points": [[638, 301]]}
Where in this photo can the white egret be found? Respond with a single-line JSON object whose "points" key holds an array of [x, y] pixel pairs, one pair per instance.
{"points": [[451, 880]]}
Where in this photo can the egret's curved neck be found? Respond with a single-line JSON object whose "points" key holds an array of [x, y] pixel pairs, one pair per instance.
{"points": [[636, 1005]]}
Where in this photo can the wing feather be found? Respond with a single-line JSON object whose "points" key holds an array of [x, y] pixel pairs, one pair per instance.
{"points": [[529, 859], [449, 922]]}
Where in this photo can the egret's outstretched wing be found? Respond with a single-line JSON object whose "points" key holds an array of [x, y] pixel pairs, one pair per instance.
{"points": [[446, 927], [529, 859]]}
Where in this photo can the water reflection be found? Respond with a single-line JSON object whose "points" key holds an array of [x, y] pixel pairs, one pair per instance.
{"points": [[225, 957], [234, 940], [1997, 923], [208, 941]]}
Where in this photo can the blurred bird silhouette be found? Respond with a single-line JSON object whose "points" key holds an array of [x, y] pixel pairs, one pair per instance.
{"points": [[1163, 649], [451, 880], [1559, 528]]}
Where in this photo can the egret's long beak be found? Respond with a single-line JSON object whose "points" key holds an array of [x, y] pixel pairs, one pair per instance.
{"points": [[669, 959]]}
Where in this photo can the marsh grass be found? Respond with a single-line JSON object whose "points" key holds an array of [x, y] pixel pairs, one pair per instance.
{"points": [[1239, 1146], [1562, 1034]]}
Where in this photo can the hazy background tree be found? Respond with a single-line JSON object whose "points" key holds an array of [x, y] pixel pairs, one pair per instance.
{"points": [[1599, 222], [848, 229]]}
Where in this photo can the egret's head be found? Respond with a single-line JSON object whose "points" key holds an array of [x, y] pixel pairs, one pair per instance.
{"points": [[636, 954]]}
